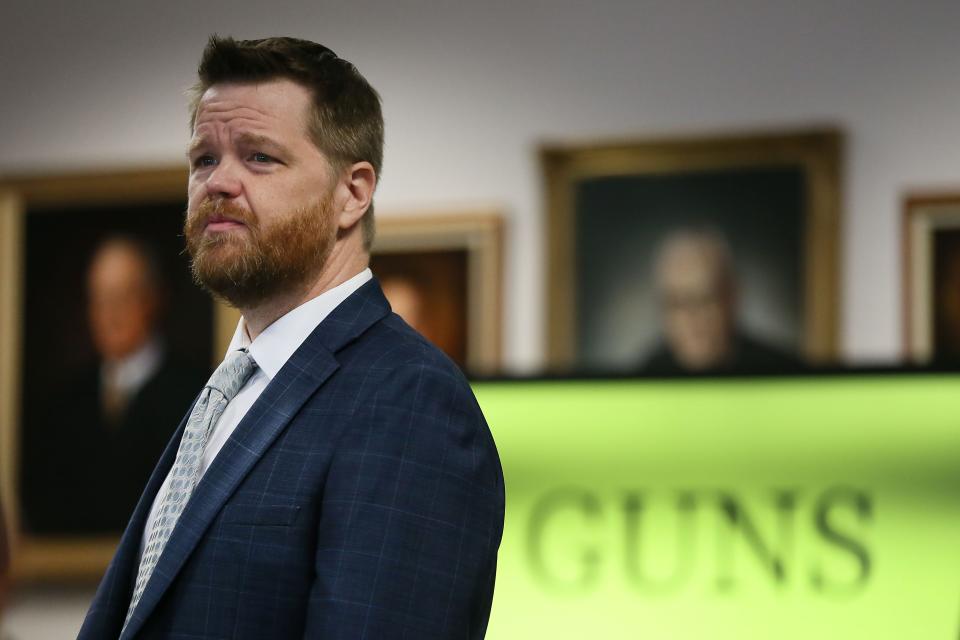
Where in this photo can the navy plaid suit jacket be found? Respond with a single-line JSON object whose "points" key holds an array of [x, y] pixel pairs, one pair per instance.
{"points": [[360, 497]]}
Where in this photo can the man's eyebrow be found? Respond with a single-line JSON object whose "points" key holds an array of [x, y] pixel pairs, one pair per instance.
{"points": [[258, 140], [196, 144], [246, 139]]}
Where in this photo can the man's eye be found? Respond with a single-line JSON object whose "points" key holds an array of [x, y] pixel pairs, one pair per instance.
{"points": [[261, 157], [204, 161]]}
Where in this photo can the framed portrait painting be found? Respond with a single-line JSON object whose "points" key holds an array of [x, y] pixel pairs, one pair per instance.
{"points": [[442, 274], [104, 342], [693, 254], [931, 277]]}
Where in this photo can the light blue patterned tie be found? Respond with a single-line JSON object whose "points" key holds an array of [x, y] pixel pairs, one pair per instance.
{"points": [[223, 385]]}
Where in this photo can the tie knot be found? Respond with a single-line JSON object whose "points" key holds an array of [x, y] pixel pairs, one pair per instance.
{"points": [[232, 373]]}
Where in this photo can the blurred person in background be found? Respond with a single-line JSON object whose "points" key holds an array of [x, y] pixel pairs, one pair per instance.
{"points": [[120, 410], [697, 292]]}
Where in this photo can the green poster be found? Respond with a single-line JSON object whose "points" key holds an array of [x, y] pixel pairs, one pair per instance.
{"points": [[808, 507]]}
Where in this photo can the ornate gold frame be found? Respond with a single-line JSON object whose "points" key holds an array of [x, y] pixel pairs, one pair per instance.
{"points": [[66, 558], [818, 152]]}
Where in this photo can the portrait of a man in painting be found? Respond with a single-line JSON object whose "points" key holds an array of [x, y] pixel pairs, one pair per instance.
{"points": [[693, 255], [116, 343]]}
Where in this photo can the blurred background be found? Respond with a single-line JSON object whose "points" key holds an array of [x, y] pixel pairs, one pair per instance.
{"points": [[642, 189]]}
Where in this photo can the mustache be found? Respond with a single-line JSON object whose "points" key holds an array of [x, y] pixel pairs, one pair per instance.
{"points": [[217, 210], [212, 210]]}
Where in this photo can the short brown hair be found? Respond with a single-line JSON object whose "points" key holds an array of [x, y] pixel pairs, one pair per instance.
{"points": [[347, 121]]}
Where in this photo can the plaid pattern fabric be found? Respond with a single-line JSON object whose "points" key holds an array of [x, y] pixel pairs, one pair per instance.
{"points": [[361, 497]]}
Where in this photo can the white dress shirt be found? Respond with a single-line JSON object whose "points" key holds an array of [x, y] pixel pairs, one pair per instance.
{"points": [[271, 350]]}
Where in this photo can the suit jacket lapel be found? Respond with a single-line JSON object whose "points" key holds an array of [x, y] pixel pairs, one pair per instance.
{"points": [[310, 365], [117, 587]]}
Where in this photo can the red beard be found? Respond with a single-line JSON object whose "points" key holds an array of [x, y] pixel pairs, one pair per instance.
{"points": [[248, 265]]}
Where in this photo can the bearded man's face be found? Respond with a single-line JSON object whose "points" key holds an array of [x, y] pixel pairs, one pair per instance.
{"points": [[260, 217]]}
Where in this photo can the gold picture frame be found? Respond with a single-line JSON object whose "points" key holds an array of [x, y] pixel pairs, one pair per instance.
{"points": [[478, 236], [931, 256], [66, 557], [815, 155]]}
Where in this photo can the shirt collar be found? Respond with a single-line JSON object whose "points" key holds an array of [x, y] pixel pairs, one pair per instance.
{"points": [[274, 346]]}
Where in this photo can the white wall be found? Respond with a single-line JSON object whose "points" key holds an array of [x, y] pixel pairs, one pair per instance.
{"points": [[471, 89]]}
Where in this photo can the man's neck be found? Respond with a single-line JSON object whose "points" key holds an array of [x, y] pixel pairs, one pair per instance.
{"points": [[337, 270]]}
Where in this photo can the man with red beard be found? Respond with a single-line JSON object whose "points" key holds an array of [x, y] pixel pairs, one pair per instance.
{"points": [[335, 478]]}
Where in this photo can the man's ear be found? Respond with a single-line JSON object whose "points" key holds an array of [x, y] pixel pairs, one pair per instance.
{"points": [[357, 185]]}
